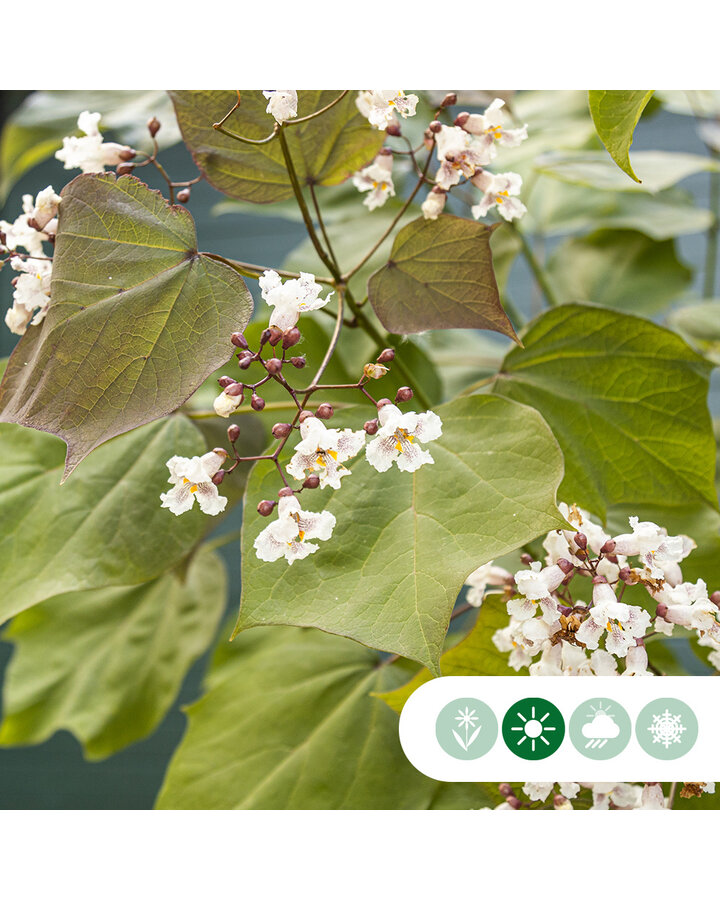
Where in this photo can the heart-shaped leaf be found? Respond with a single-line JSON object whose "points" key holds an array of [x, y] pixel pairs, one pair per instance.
{"points": [[615, 114]]}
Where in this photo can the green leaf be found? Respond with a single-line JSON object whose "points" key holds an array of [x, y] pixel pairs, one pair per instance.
{"points": [[325, 150], [626, 400], [138, 318], [107, 664], [35, 130], [699, 324], [474, 655], [287, 723], [439, 275], [615, 114], [404, 543], [105, 527], [658, 169], [624, 269]]}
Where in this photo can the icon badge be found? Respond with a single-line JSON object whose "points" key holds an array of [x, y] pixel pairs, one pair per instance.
{"points": [[466, 728], [533, 728], [600, 728], [666, 728]]}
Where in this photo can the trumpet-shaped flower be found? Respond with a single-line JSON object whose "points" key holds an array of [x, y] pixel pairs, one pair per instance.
{"points": [[32, 292], [483, 576], [500, 192], [460, 154], [490, 127], [90, 153], [289, 299], [376, 179], [282, 105], [380, 107], [21, 234], [620, 622], [193, 481], [290, 534], [399, 437], [659, 552], [522, 640], [434, 203], [323, 451], [534, 585]]}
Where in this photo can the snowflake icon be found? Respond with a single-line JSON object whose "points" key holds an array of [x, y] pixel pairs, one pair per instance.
{"points": [[667, 729]]}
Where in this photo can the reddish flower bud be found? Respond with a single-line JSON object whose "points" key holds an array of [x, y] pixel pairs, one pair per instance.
{"points": [[305, 414], [238, 338], [461, 119], [526, 559], [449, 99], [265, 337], [265, 507], [661, 610], [388, 355], [281, 430], [371, 426], [184, 195], [393, 129], [580, 540], [298, 361], [291, 337], [245, 360], [599, 579], [233, 433], [275, 337], [153, 126], [218, 476], [435, 126], [715, 598], [257, 403], [286, 492], [403, 395], [383, 402], [225, 381], [311, 482], [514, 802], [324, 411], [608, 547], [506, 790], [625, 574], [235, 389], [125, 168], [127, 154], [273, 366], [565, 565]]}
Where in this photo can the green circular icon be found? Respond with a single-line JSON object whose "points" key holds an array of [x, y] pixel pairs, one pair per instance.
{"points": [[466, 728], [533, 728], [666, 728], [600, 728]]}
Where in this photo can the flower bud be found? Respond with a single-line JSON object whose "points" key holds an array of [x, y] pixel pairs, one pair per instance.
{"points": [[238, 338], [281, 430], [449, 99], [311, 482], [286, 492], [383, 402], [661, 610], [565, 565], [265, 507], [435, 126], [373, 370], [715, 598], [225, 381], [257, 403], [234, 390], [233, 433], [218, 476], [125, 168], [526, 559], [184, 195], [626, 574], [298, 361], [273, 366], [305, 414], [393, 129], [371, 426], [514, 802], [506, 790], [153, 126], [264, 337], [403, 395], [608, 547], [275, 335], [461, 119], [126, 154], [388, 355], [580, 540], [291, 337], [245, 360], [324, 411]]}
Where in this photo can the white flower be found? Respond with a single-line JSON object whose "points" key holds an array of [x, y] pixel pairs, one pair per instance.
{"points": [[323, 450], [289, 534], [32, 292], [523, 640], [562, 658], [499, 191], [380, 107], [623, 623], [652, 797], [535, 585], [46, 207], [603, 663], [636, 661], [90, 153], [225, 404], [434, 203], [489, 127], [295, 296], [538, 790], [659, 552], [398, 439], [20, 234], [377, 180], [459, 153], [622, 794], [688, 605], [282, 104], [478, 581], [193, 481]]}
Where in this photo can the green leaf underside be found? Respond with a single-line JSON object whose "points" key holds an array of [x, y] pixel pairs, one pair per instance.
{"points": [[404, 543], [287, 723], [122, 352], [104, 527], [325, 150], [627, 402], [615, 114], [439, 275], [624, 269], [475, 654], [107, 664]]}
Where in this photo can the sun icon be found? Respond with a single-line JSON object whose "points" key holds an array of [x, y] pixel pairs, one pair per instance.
{"points": [[533, 728]]}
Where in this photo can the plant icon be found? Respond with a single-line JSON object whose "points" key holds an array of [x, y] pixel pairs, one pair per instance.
{"points": [[469, 720], [466, 728]]}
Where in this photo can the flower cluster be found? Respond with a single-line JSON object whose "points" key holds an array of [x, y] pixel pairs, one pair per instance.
{"points": [[89, 152], [35, 226], [376, 179], [602, 794], [381, 108]]}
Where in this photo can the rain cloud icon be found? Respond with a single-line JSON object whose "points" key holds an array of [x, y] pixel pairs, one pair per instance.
{"points": [[600, 730]]}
